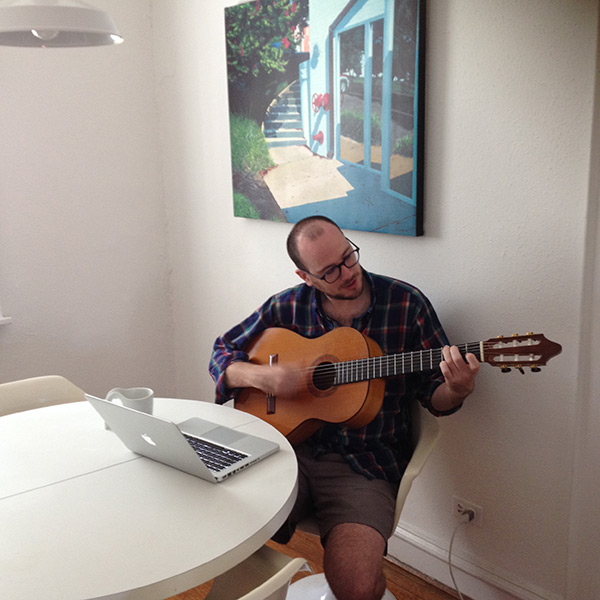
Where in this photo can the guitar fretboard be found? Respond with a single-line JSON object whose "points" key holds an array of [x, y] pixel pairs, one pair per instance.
{"points": [[378, 367]]}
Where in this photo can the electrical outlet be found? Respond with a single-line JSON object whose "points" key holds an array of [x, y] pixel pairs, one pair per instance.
{"points": [[460, 506]]}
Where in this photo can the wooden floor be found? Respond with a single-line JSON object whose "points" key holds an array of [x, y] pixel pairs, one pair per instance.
{"points": [[402, 583]]}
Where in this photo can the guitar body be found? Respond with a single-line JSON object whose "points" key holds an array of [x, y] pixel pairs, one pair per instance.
{"points": [[353, 404]]}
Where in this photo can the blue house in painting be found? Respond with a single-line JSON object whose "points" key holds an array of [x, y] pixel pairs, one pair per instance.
{"points": [[358, 106]]}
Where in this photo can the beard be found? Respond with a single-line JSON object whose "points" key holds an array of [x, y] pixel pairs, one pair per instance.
{"points": [[351, 293]]}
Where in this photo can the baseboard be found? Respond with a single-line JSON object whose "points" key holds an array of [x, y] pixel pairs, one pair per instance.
{"points": [[475, 579]]}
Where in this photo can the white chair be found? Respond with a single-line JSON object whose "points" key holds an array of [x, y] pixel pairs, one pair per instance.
{"points": [[425, 431], [265, 575], [25, 394]]}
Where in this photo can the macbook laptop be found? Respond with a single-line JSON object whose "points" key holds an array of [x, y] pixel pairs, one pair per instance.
{"points": [[196, 446]]}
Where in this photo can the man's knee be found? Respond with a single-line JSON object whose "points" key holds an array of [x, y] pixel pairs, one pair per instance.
{"points": [[353, 562]]}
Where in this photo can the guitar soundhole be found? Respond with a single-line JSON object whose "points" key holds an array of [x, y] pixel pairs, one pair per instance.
{"points": [[324, 376]]}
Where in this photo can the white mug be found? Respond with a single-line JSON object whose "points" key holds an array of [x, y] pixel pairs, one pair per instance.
{"points": [[138, 398]]}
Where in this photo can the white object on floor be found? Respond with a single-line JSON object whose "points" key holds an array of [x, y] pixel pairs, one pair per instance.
{"points": [[315, 587]]}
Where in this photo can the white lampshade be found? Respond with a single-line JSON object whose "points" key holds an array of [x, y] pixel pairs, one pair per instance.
{"points": [[55, 24]]}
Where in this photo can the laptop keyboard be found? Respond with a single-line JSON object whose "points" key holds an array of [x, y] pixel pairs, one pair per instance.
{"points": [[214, 456]]}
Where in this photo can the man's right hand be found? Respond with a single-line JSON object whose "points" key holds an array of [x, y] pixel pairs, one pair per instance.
{"points": [[282, 381]]}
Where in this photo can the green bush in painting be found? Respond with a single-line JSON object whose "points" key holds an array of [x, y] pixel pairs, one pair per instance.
{"points": [[242, 207], [404, 146], [352, 125], [249, 151]]}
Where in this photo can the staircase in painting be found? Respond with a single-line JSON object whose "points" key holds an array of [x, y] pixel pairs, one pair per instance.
{"points": [[283, 123]]}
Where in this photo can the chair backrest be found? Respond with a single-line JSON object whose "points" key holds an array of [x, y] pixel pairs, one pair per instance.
{"points": [[25, 394], [265, 575], [425, 431]]}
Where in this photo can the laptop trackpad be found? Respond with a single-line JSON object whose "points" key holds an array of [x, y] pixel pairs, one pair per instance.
{"points": [[224, 435], [211, 431]]}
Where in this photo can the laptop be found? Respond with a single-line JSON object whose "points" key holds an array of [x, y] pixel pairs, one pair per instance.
{"points": [[198, 447]]}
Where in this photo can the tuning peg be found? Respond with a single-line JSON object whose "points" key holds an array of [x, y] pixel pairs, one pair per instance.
{"points": [[520, 369], [505, 369], [535, 369]]}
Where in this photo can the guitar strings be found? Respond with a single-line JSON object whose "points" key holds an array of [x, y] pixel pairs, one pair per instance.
{"points": [[373, 367]]}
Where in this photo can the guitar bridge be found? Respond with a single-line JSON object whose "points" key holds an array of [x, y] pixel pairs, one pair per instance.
{"points": [[273, 358]]}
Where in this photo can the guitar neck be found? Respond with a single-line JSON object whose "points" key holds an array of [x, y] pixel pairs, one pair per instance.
{"points": [[378, 367]]}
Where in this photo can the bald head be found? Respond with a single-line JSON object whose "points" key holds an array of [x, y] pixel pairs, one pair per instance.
{"points": [[310, 228]]}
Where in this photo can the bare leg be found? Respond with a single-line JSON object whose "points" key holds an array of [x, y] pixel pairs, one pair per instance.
{"points": [[353, 562]]}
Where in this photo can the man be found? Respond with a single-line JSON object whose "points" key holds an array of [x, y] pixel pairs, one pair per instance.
{"points": [[348, 477]]}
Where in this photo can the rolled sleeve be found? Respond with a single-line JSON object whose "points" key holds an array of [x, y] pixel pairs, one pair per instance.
{"points": [[233, 345], [219, 362]]}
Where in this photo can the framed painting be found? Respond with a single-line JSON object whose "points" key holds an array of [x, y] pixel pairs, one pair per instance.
{"points": [[326, 104]]}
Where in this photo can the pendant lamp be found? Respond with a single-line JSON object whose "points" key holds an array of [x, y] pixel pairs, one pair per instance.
{"points": [[55, 24]]}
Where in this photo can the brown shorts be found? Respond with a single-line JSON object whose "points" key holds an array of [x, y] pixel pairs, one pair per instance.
{"points": [[330, 490]]}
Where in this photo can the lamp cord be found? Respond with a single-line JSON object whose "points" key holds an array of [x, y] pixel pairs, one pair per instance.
{"points": [[450, 555]]}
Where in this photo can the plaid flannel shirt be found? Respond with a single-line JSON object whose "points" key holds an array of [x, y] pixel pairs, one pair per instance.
{"points": [[400, 319]]}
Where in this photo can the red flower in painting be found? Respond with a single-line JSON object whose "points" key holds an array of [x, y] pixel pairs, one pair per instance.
{"points": [[285, 42]]}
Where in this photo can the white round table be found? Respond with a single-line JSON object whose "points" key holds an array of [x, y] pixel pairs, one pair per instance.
{"points": [[82, 517]]}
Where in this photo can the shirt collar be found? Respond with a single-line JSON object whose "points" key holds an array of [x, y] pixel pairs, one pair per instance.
{"points": [[317, 295]]}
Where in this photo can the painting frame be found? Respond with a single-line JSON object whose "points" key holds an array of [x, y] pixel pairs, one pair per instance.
{"points": [[326, 106]]}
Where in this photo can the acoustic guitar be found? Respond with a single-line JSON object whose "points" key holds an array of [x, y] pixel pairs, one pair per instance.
{"points": [[343, 374]]}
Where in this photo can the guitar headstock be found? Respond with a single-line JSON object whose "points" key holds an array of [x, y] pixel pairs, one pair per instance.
{"points": [[532, 350]]}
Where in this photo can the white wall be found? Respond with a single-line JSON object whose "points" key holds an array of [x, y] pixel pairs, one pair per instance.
{"points": [[584, 559], [106, 289], [510, 92], [83, 250]]}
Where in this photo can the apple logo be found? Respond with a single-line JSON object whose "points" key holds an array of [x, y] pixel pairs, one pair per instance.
{"points": [[148, 439]]}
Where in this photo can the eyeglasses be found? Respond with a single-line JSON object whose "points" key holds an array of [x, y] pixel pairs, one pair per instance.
{"points": [[335, 272]]}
